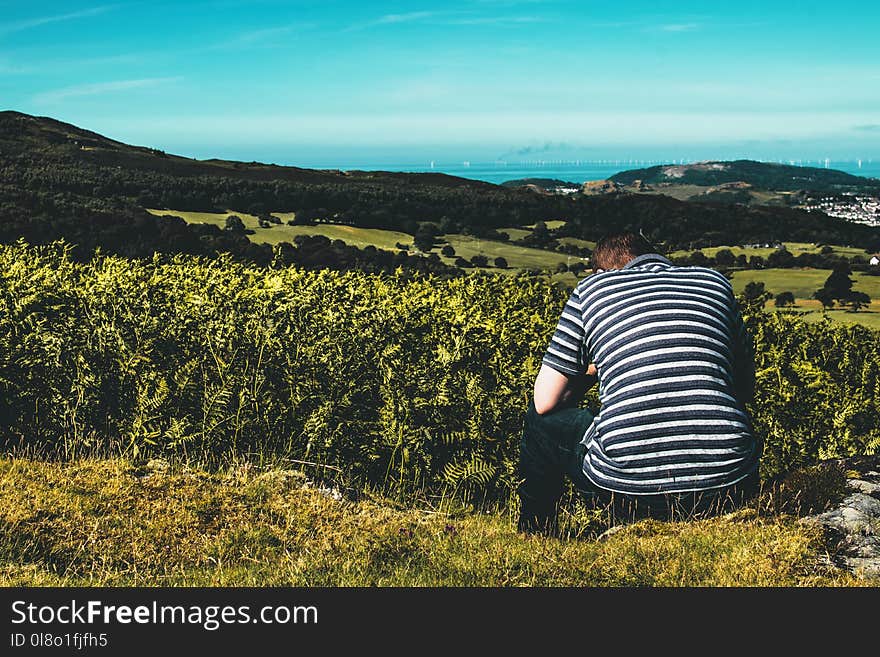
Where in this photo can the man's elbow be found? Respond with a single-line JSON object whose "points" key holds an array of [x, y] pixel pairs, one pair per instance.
{"points": [[542, 405]]}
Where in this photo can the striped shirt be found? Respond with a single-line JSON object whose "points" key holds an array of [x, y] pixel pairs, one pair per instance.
{"points": [[675, 366]]}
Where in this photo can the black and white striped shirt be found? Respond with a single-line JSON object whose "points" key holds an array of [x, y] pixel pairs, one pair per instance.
{"points": [[675, 365]]}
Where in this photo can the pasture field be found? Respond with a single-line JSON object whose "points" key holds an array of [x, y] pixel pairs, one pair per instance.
{"points": [[518, 257], [795, 248], [351, 235], [801, 282]]}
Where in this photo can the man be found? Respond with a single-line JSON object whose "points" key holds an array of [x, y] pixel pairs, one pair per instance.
{"points": [[675, 368]]}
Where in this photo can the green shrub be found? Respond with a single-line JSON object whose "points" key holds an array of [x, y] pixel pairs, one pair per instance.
{"points": [[399, 383]]}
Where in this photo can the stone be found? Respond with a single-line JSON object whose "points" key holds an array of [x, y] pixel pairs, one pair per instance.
{"points": [[854, 524]]}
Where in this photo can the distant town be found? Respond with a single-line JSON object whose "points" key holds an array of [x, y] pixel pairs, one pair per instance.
{"points": [[857, 208]]}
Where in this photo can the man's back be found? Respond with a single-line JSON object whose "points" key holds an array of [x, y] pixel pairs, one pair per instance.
{"points": [[675, 369]]}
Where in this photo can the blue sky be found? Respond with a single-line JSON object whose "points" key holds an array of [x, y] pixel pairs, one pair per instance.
{"points": [[309, 81]]}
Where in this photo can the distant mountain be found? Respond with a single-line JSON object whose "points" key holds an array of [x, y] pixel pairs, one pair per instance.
{"points": [[40, 135], [760, 175]]}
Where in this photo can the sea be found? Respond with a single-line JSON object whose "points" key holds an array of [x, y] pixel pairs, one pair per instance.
{"points": [[578, 171]]}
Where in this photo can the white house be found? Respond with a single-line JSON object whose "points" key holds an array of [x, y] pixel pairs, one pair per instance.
{"points": [[874, 261]]}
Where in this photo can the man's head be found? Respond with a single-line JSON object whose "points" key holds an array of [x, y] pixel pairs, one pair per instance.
{"points": [[615, 251]]}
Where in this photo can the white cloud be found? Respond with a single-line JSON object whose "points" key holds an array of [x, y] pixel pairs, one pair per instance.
{"points": [[98, 88], [26, 24], [499, 20], [679, 27]]}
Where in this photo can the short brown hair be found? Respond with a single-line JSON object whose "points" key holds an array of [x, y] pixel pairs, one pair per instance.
{"points": [[614, 251]]}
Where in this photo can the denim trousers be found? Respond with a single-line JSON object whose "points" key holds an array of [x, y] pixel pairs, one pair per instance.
{"points": [[551, 450]]}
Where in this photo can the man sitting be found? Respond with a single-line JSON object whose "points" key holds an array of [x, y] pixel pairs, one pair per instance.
{"points": [[675, 368]]}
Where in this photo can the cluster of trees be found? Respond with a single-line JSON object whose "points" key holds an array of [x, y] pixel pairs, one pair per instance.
{"points": [[838, 288], [117, 228], [781, 258]]}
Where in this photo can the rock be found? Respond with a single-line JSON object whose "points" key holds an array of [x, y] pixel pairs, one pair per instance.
{"points": [[611, 531], [865, 487], [854, 525], [600, 187]]}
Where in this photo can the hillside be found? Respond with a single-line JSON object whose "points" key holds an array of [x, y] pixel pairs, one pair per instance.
{"points": [[761, 175], [44, 136], [61, 181]]}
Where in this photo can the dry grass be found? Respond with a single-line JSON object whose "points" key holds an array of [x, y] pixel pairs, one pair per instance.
{"points": [[108, 523]]}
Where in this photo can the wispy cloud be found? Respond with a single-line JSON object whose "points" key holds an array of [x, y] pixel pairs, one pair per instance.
{"points": [[447, 18], [29, 23], [262, 35], [499, 20], [396, 19], [678, 27], [267, 35], [868, 127], [98, 88]]}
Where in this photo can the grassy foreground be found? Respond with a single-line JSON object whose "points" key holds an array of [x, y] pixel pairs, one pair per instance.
{"points": [[106, 522]]}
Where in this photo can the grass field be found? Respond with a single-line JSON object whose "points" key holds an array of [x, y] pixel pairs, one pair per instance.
{"points": [[801, 282], [518, 257], [795, 248], [578, 242], [111, 523], [352, 235]]}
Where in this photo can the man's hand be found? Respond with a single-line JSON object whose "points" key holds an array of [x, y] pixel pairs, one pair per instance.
{"points": [[554, 389]]}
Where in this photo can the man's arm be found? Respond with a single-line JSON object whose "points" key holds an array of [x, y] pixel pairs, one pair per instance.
{"points": [[743, 360], [553, 389]]}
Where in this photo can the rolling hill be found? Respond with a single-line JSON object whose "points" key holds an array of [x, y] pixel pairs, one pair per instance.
{"points": [[61, 181], [761, 175]]}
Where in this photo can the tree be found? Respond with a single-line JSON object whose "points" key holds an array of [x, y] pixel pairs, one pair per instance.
{"points": [[755, 294], [479, 260], [423, 241], [234, 224], [784, 300], [501, 262], [540, 232], [448, 251], [780, 258], [725, 258], [856, 300], [698, 259], [839, 284], [561, 268], [824, 297]]}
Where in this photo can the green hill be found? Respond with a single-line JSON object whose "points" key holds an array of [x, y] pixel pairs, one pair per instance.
{"points": [[61, 181], [762, 175]]}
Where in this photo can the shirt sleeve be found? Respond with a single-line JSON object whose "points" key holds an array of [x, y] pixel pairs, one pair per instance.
{"points": [[566, 352]]}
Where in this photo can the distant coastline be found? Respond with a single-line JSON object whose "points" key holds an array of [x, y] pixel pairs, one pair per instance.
{"points": [[498, 173]]}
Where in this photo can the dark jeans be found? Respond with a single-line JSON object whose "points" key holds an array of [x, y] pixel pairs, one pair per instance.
{"points": [[551, 450]]}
